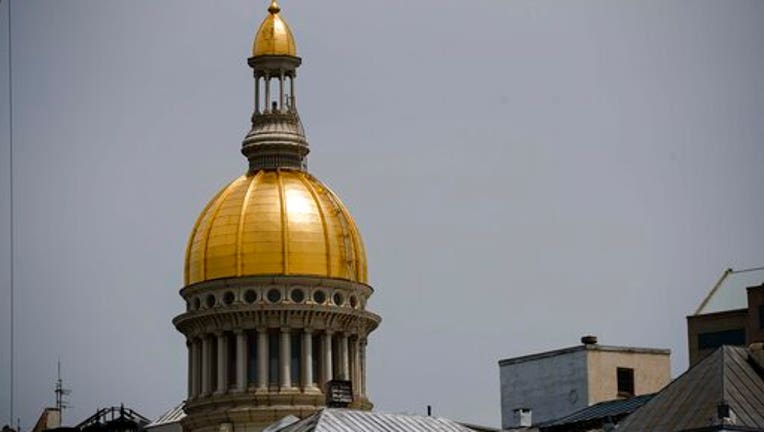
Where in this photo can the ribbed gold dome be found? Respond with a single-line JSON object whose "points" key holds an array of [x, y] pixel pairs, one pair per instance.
{"points": [[280, 222], [274, 36]]}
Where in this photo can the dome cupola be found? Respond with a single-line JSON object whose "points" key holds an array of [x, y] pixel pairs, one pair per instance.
{"points": [[277, 138], [274, 37]]}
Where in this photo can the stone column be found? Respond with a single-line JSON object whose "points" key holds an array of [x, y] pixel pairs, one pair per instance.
{"points": [[285, 380], [206, 365], [241, 360], [257, 95], [356, 363], [363, 367], [190, 382], [293, 103], [344, 358], [267, 82], [326, 352], [196, 354], [222, 371], [262, 359], [307, 360], [281, 92]]}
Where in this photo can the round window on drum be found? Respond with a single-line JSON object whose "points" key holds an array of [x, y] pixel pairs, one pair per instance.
{"points": [[297, 295], [338, 299], [228, 298], [319, 297], [210, 301], [274, 296]]}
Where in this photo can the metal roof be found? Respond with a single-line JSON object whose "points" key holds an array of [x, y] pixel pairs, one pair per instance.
{"points": [[174, 415], [281, 424], [729, 293], [345, 420], [602, 410], [727, 375]]}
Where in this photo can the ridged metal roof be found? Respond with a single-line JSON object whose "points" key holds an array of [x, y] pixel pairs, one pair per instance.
{"points": [[727, 375], [613, 409], [174, 415], [345, 420]]}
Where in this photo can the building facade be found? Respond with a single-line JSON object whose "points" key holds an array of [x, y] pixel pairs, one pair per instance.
{"points": [[547, 386], [276, 282], [731, 314]]}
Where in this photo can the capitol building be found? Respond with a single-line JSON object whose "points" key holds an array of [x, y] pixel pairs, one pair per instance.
{"points": [[276, 281]]}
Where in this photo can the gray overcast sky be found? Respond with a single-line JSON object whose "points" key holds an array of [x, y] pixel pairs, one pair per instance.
{"points": [[523, 173]]}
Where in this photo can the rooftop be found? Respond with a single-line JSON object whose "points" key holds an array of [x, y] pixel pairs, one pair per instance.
{"points": [[613, 409], [730, 376], [174, 415], [584, 347], [344, 420]]}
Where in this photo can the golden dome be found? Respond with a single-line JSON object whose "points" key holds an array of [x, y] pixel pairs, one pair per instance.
{"points": [[280, 222], [274, 36]]}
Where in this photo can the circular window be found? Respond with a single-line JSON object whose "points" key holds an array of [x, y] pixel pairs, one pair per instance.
{"points": [[319, 297], [274, 295], [228, 298], [250, 296], [197, 303], [297, 295], [353, 302], [210, 301], [338, 299]]}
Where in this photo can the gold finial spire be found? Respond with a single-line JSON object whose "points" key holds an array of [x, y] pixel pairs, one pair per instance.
{"points": [[274, 36], [274, 7]]}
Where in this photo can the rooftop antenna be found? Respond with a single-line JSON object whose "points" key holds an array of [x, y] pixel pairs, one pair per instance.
{"points": [[61, 393]]}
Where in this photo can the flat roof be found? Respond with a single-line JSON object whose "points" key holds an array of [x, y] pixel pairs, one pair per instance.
{"points": [[592, 347]]}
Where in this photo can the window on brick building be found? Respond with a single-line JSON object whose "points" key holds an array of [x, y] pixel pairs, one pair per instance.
{"points": [[713, 340]]}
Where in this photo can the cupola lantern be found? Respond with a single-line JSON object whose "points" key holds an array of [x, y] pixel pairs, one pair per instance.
{"points": [[277, 138]]}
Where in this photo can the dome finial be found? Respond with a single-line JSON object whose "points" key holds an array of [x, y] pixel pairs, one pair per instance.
{"points": [[274, 7]]}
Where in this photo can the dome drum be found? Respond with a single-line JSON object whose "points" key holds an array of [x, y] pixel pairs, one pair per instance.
{"points": [[269, 156], [296, 302], [276, 140], [354, 323], [310, 284]]}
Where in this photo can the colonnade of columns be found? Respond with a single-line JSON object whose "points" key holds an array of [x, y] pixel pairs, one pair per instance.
{"points": [[282, 104], [274, 360]]}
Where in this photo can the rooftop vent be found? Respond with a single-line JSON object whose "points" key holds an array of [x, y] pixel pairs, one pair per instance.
{"points": [[589, 340], [523, 417]]}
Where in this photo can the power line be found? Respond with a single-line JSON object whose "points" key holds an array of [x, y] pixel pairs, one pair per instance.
{"points": [[10, 182]]}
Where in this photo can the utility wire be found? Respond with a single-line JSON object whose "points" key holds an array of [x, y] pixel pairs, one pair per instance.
{"points": [[10, 182]]}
